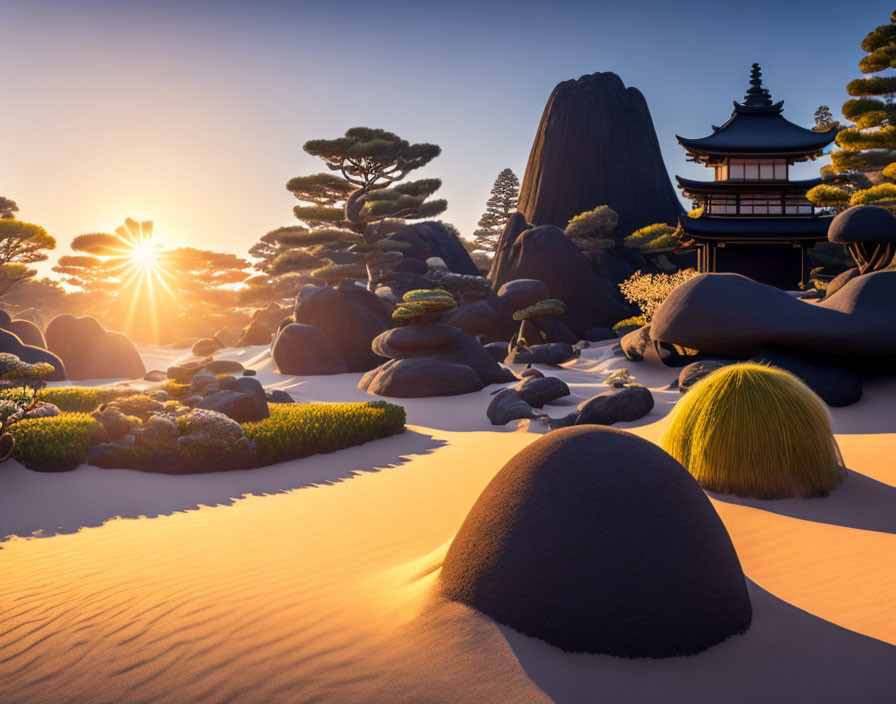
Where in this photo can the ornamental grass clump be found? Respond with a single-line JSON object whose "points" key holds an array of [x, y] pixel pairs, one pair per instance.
{"points": [[755, 431], [296, 430]]}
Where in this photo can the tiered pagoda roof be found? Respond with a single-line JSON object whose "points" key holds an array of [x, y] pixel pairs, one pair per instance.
{"points": [[757, 127]]}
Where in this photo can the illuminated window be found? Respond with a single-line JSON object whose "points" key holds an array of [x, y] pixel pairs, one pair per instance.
{"points": [[756, 170]]}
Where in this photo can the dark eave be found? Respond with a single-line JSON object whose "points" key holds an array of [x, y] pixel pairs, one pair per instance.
{"points": [[755, 228], [759, 134], [694, 186]]}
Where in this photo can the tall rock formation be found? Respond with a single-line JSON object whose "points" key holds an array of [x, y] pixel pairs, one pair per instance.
{"points": [[596, 145]]}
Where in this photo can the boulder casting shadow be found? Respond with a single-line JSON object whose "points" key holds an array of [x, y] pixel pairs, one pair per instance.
{"points": [[595, 540], [89, 351]]}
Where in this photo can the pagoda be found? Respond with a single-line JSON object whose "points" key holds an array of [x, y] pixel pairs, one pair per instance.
{"points": [[755, 221]]}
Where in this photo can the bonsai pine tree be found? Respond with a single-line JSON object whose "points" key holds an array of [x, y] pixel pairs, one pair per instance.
{"points": [[8, 208], [21, 244], [417, 305], [500, 205], [547, 308], [824, 120], [592, 231], [354, 212], [863, 169]]}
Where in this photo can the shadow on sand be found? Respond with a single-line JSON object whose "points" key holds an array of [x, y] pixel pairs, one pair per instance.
{"points": [[859, 502], [35, 503], [786, 653]]}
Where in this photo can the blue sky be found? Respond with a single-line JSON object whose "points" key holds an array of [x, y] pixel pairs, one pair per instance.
{"points": [[194, 113]]}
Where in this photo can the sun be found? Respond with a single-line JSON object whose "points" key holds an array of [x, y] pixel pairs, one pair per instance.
{"points": [[144, 256]]}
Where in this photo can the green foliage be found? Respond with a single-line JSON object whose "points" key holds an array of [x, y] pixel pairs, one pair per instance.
{"points": [[754, 431], [883, 194], [55, 444], [889, 172], [423, 302], [500, 205], [866, 148], [877, 85], [14, 369], [827, 196], [547, 307], [320, 213], [331, 272], [320, 189], [659, 235], [77, 399], [593, 229], [21, 243], [369, 157], [294, 260], [638, 320], [855, 139], [8, 208], [296, 430]]}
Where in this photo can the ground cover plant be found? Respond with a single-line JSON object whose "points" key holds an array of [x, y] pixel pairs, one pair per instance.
{"points": [[300, 429]]}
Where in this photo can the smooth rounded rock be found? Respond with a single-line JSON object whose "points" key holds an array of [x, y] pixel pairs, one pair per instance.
{"points": [[419, 377], [595, 540]]}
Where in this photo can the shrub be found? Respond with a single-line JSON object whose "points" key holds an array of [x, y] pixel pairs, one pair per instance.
{"points": [[300, 429], [593, 229], [648, 291], [755, 431], [77, 399], [56, 444], [659, 235]]}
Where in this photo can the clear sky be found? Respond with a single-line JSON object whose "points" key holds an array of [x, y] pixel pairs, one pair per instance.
{"points": [[193, 114]]}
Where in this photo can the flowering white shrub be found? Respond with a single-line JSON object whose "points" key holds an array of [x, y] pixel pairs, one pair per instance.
{"points": [[648, 291]]}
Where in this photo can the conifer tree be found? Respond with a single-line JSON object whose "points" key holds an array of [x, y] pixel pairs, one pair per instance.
{"points": [[346, 218], [863, 169], [824, 120], [500, 205]]}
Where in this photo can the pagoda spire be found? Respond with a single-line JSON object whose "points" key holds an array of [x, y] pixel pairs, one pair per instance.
{"points": [[757, 95]]}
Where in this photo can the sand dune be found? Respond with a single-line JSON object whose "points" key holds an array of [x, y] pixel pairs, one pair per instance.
{"points": [[317, 584]]}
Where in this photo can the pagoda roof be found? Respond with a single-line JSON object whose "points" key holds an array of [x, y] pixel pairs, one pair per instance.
{"points": [[757, 127], [694, 186], [756, 228]]}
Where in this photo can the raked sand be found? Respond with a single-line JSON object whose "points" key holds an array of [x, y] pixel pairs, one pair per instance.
{"points": [[318, 584]]}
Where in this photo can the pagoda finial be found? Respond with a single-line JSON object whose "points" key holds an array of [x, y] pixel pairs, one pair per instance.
{"points": [[757, 96]]}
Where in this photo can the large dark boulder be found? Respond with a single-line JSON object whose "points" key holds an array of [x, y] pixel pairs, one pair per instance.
{"points": [[548, 353], [89, 351], [597, 541], [506, 405], [433, 239], [545, 253], [596, 145], [617, 405], [350, 318], [305, 350], [13, 345], [262, 326], [25, 330], [419, 377], [834, 384], [731, 315], [477, 319]]}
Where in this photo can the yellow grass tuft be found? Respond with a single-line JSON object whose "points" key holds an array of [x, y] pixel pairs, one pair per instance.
{"points": [[755, 431]]}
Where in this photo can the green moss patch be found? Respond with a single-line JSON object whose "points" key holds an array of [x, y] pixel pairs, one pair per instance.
{"points": [[301, 429], [56, 444]]}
